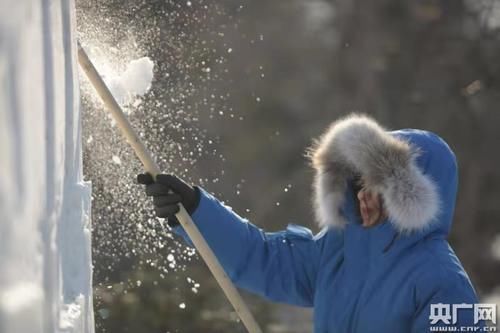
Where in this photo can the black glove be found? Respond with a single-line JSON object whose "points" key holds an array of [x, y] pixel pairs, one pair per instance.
{"points": [[168, 192]]}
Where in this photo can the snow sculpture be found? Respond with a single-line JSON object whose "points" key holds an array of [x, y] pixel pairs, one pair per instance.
{"points": [[45, 254]]}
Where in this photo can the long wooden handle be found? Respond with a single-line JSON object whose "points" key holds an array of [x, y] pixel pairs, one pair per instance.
{"points": [[184, 218]]}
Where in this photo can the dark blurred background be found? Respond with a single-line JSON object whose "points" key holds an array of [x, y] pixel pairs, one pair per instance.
{"points": [[239, 92]]}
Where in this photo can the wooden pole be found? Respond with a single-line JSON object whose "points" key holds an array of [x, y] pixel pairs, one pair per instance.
{"points": [[184, 218]]}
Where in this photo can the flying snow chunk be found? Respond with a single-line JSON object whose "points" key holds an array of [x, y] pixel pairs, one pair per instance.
{"points": [[134, 82]]}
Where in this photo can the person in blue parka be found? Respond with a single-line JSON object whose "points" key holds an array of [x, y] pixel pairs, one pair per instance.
{"points": [[381, 262]]}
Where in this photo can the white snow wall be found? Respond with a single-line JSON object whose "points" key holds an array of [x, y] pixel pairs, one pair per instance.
{"points": [[45, 254]]}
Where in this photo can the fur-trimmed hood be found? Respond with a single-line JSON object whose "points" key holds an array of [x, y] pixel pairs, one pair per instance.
{"points": [[403, 166]]}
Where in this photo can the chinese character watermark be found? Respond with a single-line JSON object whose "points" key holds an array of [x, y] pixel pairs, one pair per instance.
{"points": [[485, 312], [440, 313], [450, 314]]}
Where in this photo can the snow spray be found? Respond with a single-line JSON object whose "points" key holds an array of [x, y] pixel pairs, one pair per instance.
{"points": [[183, 217], [165, 96]]}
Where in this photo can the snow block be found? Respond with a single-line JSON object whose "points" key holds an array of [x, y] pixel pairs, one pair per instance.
{"points": [[45, 250]]}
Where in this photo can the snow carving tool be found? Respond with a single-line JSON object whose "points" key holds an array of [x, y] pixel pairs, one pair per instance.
{"points": [[184, 218]]}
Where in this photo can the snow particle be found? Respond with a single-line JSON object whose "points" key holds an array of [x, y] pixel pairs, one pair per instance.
{"points": [[116, 160]]}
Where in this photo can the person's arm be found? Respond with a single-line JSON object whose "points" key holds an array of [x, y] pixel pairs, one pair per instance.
{"points": [[280, 266]]}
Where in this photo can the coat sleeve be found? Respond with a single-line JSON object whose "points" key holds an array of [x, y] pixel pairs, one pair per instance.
{"points": [[280, 266], [448, 289]]}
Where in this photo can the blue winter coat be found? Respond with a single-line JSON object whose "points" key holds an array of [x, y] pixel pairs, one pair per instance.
{"points": [[379, 279]]}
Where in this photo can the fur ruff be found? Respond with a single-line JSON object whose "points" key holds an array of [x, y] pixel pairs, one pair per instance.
{"points": [[357, 145]]}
